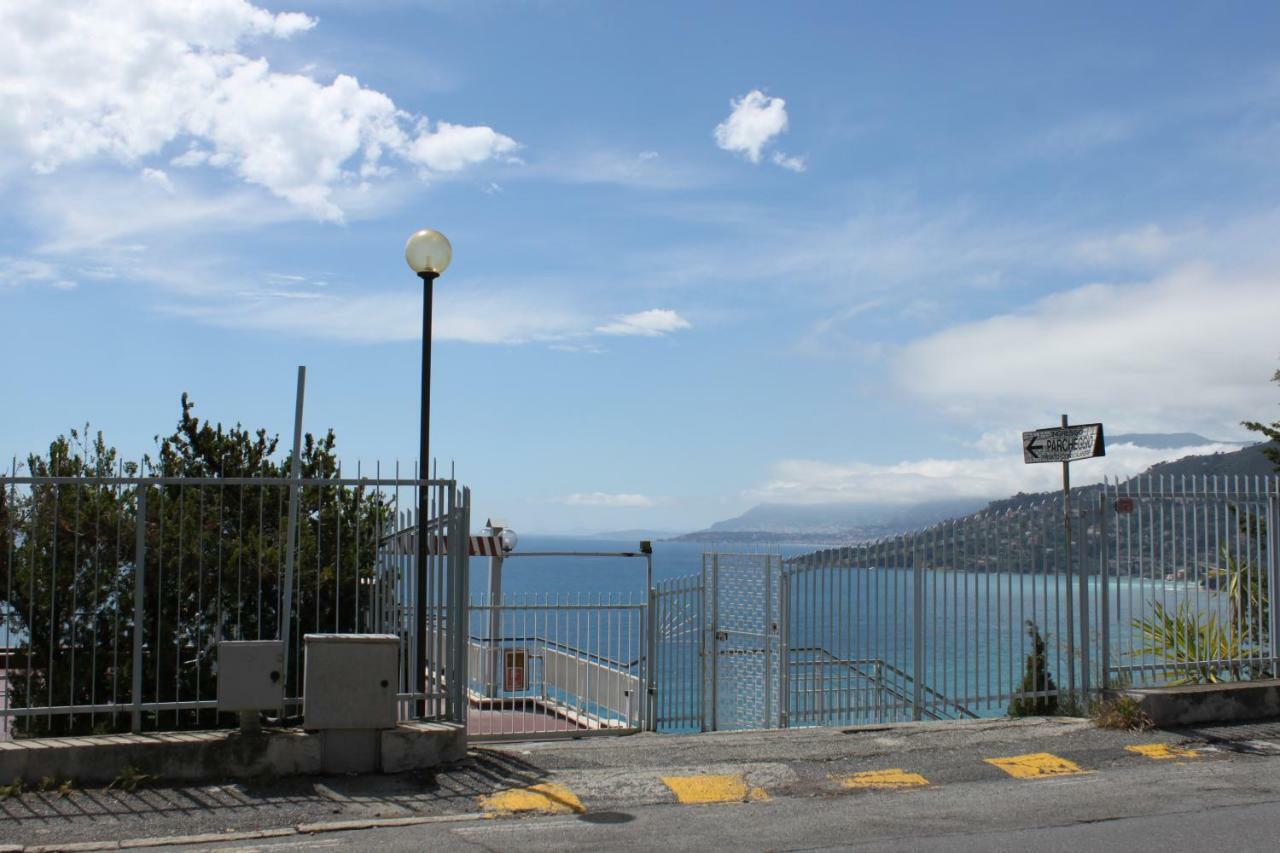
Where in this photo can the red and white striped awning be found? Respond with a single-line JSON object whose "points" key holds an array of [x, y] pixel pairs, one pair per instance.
{"points": [[477, 546]]}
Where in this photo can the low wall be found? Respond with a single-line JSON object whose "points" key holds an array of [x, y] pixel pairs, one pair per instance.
{"points": [[1194, 704], [196, 756]]}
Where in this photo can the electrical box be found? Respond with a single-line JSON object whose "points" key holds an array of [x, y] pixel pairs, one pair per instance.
{"points": [[351, 681], [250, 675]]}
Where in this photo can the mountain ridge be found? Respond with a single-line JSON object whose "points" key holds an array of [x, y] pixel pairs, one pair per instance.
{"points": [[835, 523]]}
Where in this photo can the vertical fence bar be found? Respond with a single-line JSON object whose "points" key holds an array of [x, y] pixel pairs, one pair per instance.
{"points": [[651, 653], [784, 649], [139, 586], [715, 641], [1083, 551], [1104, 601], [1273, 576], [917, 631]]}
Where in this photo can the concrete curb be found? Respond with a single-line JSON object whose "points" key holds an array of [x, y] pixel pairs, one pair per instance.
{"points": [[1197, 704], [221, 754], [248, 835]]}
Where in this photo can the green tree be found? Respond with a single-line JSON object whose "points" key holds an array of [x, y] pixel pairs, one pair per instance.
{"points": [[1035, 679], [214, 534], [1271, 431]]}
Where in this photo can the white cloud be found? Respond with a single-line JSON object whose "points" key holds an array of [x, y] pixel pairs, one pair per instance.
{"points": [[453, 147], [471, 314], [1192, 349], [124, 81], [989, 476], [21, 272], [1148, 243], [650, 324], [158, 178], [389, 316], [609, 500], [645, 170], [754, 121], [786, 161]]}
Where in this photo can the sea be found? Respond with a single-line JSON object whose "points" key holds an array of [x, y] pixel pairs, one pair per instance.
{"points": [[600, 575]]}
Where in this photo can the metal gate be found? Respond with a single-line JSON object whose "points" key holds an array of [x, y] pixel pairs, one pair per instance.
{"points": [[679, 654], [742, 677]]}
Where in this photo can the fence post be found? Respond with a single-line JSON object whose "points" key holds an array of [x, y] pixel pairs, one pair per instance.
{"points": [[650, 656], [139, 587], [1273, 572], [285, 623], [784, 650], [702, 645], [769, 627], [1083, 551], [715, 641], [917, 632], [459, 592], [1104, 604]]}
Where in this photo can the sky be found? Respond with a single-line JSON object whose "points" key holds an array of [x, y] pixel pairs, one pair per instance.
{"points": [[705, 255]]}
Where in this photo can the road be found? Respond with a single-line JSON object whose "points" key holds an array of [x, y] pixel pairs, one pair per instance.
{"points": [[982, 786]]}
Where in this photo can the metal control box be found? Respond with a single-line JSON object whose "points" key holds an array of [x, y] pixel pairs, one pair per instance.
{"points": [[350, 681], [250, 675]]}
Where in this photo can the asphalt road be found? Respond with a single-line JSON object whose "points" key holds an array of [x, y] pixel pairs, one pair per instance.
{"points": [[989, 785]]}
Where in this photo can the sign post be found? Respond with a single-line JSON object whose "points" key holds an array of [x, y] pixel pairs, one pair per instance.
{"points": [[1067, 444]]}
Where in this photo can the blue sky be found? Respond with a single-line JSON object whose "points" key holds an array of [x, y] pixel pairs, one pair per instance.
{"points": [[705, 255]]}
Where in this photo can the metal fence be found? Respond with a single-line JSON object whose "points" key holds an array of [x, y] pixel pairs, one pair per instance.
{"points": [[568, 664], [117, 589], [1153, 581], [1189, 576], [680, 659]]}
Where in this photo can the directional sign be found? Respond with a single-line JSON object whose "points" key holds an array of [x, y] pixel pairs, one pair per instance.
{"points": [[1063, 444]]}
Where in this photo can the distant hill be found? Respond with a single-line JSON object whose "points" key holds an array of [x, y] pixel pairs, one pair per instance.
{"points": [[1246, 462], [832, 522], [1168, 440], [841, 523]]}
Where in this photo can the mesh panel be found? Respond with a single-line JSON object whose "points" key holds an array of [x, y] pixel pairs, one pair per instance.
{"points": [[743, 607]]}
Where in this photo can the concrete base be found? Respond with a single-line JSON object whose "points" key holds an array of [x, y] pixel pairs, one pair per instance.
{"points": [[349, 750], [410, 746], [197, 756], [1194, 704]]}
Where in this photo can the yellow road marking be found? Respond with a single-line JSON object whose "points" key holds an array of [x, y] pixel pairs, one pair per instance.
{"points": [[881, 780], [544, 798], [712, 789], [1035, 765], [1162, 751]]}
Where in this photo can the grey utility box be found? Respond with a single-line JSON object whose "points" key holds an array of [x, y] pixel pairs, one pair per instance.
{"points": [[250, 675], [350, 681]]}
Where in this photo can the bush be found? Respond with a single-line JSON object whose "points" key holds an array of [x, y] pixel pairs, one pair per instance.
{"points": [[1036, 680]]}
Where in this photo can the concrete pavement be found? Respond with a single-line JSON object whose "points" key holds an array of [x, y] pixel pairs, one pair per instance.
{"points": [[982, 785]]}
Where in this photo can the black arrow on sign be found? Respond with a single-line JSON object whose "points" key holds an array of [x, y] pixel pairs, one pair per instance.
{"points": [[1032, 447]]}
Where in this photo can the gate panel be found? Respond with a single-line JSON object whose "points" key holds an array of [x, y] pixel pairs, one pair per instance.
{"points": [[679, 675], [742, 638]]}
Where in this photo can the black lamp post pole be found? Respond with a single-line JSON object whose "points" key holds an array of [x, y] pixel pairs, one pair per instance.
{"points": [[424, 495]]}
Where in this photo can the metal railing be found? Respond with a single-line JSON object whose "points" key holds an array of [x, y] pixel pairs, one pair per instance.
{"points": [[1188, 579], [556, 665], [1168, 581], [117, 589]]}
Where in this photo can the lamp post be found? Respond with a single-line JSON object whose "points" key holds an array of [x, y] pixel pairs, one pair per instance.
{"points": [[428, 254]]}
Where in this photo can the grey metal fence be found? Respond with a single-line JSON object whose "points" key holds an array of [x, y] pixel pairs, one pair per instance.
{"points": [[554, 665], [1157, 581], [117, 589], [680, 670], [1188, 580]]}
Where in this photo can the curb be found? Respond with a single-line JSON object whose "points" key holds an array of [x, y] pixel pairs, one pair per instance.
{"points": [[247, 835]]}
